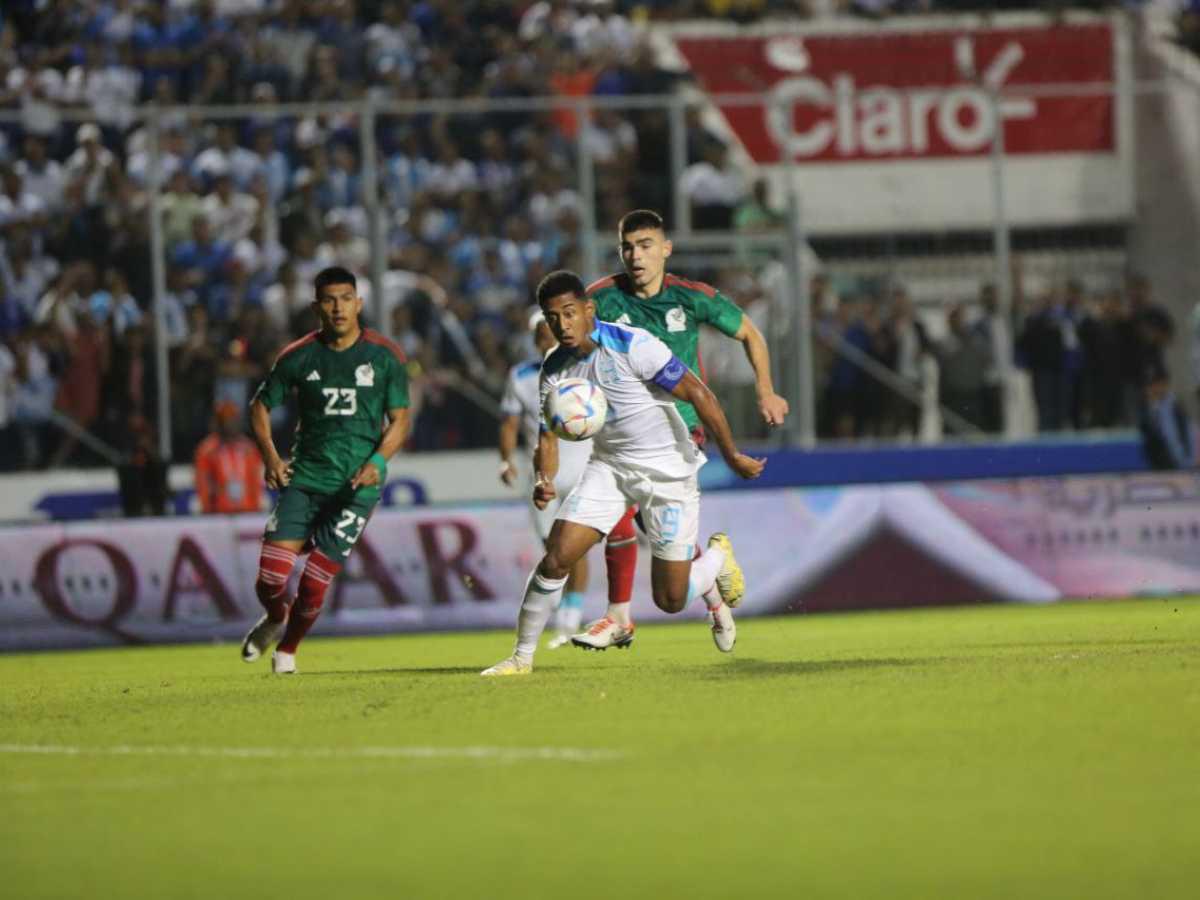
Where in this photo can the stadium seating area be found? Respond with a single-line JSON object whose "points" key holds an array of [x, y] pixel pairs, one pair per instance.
{"points": [[480, 206]]}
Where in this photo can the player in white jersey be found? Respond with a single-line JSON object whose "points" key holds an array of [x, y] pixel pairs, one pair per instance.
{"points": [[643, 455], [521, 406]]}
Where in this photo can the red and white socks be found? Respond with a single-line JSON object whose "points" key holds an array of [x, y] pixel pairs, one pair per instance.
{"points": [[620, 561], [274, 568], [318, 575]]}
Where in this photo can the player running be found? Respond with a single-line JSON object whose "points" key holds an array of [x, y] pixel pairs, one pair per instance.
{"points": [[672, 309], [644, 455], [347, 380], [521, 406]]}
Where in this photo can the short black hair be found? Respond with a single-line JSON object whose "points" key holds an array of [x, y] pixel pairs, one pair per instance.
{"points": [[334, 275], [639, 220], [559, 282]]}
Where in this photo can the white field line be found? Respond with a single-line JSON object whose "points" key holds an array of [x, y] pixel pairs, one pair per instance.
{"points": [[480, 754]]}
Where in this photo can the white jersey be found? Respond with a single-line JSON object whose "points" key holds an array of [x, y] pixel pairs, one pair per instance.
{"points": [[636, 371], [521, 398]]}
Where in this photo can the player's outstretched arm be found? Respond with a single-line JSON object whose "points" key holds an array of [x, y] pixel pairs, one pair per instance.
{"points": [[509, 428], [371, 472], [691, 389], [774, 408], [276, 470], [545, 467]]}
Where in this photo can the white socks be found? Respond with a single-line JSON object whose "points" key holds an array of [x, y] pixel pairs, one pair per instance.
{"points": [[541, 597], [619, 613], [703, 579]]}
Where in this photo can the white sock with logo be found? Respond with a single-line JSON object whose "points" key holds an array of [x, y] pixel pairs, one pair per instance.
{"points": [[541, 597], [702, 582]]}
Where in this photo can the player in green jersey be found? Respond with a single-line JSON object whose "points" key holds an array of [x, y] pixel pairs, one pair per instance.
{"points": [[672, 309], [348, 382]]}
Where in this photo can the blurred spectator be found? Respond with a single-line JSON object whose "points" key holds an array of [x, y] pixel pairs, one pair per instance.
{"points": [[17, 205], [231, 213], [1051, 348], [113, 306], [714, 188], [912, 347], [288, 302], [180, 206], [203, 259], [1149, 329], [995, 330], [342, 247], [755, 214], [86, 350], [33, 401], [1167, 438], [108, 82], [93, 166], [41, 175], [193, 378], [131, 388], [229, 470], [142, 476], [1103, 381], [846, 378], [226, 157], [964, 357]]}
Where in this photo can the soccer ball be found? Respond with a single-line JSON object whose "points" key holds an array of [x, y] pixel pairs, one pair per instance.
{"points": [[575, 409]]}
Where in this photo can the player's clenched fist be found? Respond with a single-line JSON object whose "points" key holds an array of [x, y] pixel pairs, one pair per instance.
{"points": [[278, 473], [543, 492], [747, 466], [774, 409], [366, 476]]}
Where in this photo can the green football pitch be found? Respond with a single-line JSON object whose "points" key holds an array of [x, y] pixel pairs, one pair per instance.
{"points": [[958, 753]]}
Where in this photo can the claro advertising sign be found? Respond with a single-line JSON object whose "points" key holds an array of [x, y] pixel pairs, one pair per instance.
{"points": [[891, 126]]}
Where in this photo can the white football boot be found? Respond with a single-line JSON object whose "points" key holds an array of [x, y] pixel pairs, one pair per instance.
{"points": [[514, 665], [261, 636], [604, 633], [724, 631], [566, 623], [283, 663]]}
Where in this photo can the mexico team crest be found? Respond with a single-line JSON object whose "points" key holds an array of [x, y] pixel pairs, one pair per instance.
{"points": [[676, 319], [364, 375]]}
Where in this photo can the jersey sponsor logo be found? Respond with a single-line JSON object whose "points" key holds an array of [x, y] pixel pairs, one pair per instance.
{"points": [[624, 319], [676, 319], [314, 375], [364, 375]]}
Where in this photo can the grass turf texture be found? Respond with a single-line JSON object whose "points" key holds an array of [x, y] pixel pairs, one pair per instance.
{"points": [[984, 752]]}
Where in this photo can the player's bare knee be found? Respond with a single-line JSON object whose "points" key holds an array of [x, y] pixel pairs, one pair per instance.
{"points": [[669, 601], [553, 566]]}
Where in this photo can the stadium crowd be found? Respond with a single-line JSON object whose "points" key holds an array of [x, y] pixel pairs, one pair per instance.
{"points": [[479, 208]]}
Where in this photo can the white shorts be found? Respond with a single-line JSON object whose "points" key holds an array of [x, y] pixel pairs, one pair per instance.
{"points": [[670, 508], [570, 470]]}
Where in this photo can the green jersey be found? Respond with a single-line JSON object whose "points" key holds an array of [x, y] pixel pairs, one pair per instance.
{"points": [[343, 396], [673, 315]]}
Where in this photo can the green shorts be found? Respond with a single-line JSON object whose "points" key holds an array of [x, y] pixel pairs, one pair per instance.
{"points": [[330, 522]]}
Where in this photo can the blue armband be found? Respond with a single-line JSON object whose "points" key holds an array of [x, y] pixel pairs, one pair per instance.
{"points": [[670, 374]]}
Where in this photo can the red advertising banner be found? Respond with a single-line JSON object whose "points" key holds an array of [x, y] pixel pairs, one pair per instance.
{"points": [[913, 94]]}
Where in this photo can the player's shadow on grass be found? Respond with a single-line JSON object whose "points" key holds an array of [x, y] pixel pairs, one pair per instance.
{"points": [[433, 670], [741, 667]]}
